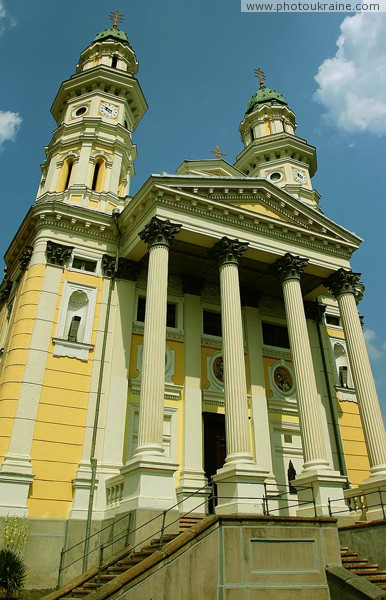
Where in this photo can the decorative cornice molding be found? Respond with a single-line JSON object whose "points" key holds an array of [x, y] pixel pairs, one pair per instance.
{"points": [[73, 224], [159, 232], [280, 229], [209, 342], [272, 353], [58, 254], [176, 336], [231, 216]]}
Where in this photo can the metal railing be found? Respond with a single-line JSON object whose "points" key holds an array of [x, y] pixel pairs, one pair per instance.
{"points": [[361, 502], [275, 499], [115, 538]]}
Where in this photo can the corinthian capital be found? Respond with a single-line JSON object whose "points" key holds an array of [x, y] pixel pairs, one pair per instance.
{"points": [[290, 266], [229, 251], [343, 282], [159, 233]]}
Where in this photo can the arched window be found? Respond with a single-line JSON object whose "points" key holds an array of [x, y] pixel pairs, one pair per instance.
{"points": [[76, 316], [342, 366], [114, 62], [98, 178], [65, 174]]}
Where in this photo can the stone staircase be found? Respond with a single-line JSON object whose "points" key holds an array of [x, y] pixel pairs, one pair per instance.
{"points": [[96, 581], [361, 566]]}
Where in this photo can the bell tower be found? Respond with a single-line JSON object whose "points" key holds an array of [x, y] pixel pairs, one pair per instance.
{"points": [[89, 161], [272, 149]]}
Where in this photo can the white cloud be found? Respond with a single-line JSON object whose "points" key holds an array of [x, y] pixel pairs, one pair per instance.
{"points": [[372, 348], [352, 84], [9, 126], [2, 16]]}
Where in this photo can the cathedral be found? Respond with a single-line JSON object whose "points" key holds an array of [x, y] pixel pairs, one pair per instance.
{"points": [[204, 330]]}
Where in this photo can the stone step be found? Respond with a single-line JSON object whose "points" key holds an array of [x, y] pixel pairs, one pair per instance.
{"points": [[379, 577], [358, 564], [365, 571], [349, 558], [363, 566]]}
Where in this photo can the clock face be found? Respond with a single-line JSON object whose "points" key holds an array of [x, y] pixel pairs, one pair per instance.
{"points": [[109, 110], [299, 176]]}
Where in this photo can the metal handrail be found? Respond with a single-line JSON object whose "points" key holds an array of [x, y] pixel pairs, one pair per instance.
{"points": [[210, 492]]}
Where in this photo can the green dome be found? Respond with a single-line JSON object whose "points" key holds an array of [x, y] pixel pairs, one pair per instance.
{"points": [[115, 34], [264, 95]]}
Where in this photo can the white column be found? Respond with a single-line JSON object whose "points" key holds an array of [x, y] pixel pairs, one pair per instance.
{"points": [[238, 439], [239, 483], [342, 284], [149, 476], [192, 474], [317, 472], [290, 268], [158, 235]]}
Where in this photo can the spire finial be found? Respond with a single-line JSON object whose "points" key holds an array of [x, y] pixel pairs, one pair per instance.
{"points": [[116, 17], [217, 152], [261, 76]]}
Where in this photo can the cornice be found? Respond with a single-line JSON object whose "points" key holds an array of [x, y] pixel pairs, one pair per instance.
{"points": [[214, 196], [241, 219], [54, 216]]}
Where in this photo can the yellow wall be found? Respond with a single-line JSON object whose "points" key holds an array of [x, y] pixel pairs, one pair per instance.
{"points": [[19, 340], [353, 440], [58, 438]]}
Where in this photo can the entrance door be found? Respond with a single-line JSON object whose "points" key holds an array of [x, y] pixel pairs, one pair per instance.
{"points": [[214, 445]]}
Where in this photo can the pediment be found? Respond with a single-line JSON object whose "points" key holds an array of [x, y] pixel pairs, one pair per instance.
{"points": [[261, 197]]}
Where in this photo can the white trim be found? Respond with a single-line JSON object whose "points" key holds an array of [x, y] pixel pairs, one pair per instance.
{"points": [[79, 349]]}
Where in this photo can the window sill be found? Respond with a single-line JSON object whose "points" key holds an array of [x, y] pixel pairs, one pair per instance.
{"points": [[78, 350]]}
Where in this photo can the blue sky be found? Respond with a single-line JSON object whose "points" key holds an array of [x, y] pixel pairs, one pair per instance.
{"points": [[197, 62]]}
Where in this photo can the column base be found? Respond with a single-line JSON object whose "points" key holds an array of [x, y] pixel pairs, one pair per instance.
{"points": [[240, 489], [148, 483], [193, 492], [14, 490], [315, 490]]}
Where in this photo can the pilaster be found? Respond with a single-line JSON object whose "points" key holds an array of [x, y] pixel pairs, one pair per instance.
{"points": [[192, 476]]}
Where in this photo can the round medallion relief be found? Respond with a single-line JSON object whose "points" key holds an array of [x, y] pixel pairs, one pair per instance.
{"points": [[218, 368], [283, 379]]}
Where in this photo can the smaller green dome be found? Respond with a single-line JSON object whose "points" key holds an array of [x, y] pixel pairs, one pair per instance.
{"points": [[265, 95], [116, 34]]}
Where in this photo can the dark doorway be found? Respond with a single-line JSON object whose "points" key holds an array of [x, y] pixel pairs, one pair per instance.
{"points": [[214, 446]]}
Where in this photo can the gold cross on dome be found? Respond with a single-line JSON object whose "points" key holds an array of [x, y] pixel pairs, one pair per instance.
{"points": [[261, 76], [217, 152], [116, 17]]}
